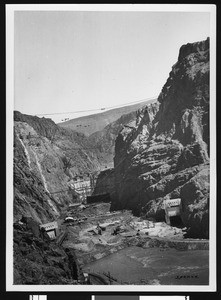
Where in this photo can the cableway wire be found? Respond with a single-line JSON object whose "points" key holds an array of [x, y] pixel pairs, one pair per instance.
{"points": [[105, 108]]}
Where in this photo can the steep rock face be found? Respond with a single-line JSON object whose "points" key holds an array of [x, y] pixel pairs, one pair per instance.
{"points": [[105, 183], [46, 159], [166, 153], [31, 177], [104, 140], [75, 145], [37, 260]]}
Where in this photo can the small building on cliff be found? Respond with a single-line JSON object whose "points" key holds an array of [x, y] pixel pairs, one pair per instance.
{"points": [[51, 229], [172, 209]]}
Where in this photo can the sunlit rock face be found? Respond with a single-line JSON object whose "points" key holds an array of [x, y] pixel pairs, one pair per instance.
{"points": [[165, 153], [46, 160], [104, 139], [38, 172]]}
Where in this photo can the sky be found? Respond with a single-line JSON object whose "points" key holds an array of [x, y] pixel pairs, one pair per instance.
{"points": [[67, 61]]}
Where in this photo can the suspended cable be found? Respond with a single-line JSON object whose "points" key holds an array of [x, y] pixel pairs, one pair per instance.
{"points": [[134, 102], [70, 112], [98, 109]]}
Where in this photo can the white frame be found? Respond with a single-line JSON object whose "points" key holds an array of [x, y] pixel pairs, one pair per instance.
{"points": [[10, 9]]}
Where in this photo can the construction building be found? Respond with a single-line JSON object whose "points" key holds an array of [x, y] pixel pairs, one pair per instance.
{"points": [[173, 209], [51, 229]]}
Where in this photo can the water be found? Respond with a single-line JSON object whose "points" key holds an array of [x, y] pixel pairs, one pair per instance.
{"points": [[135, 265]]}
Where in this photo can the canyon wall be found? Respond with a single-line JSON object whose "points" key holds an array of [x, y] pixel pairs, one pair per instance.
{"points": [[47, 159], [165, 153]]}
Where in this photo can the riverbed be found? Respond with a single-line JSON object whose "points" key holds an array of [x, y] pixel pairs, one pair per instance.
{"points": [[154, 266]]}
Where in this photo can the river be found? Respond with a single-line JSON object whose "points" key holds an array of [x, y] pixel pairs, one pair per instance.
{"points": [[135, 265]]}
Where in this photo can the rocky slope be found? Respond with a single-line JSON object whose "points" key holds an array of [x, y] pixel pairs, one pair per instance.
{"points": [[104, 139], [165, 154], [46, 160], [97, 122], [105, 183], [37, 260]]}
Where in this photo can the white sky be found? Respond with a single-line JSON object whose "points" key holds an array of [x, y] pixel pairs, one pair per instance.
{"points": [[74, 60]]}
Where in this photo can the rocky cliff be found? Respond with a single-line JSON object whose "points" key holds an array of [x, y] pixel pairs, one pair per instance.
{"points": [[104, 139], [105, 183], [38, 260], [46, 160], [165, 154]]}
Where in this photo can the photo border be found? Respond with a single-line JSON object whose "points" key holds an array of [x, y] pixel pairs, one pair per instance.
{"points": [[10, 9]]}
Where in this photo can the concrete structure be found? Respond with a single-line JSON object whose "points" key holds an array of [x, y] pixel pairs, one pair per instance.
{"points": [[51, 229], [99, 198], [172, 209]]}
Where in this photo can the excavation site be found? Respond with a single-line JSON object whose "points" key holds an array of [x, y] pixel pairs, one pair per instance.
{"points": [[118, 195]]}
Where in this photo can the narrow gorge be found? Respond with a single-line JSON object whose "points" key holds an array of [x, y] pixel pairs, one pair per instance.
{"points": [[106, 191]]}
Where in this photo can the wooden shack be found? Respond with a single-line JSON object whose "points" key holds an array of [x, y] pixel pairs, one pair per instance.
{"points": [[51, 229]]}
